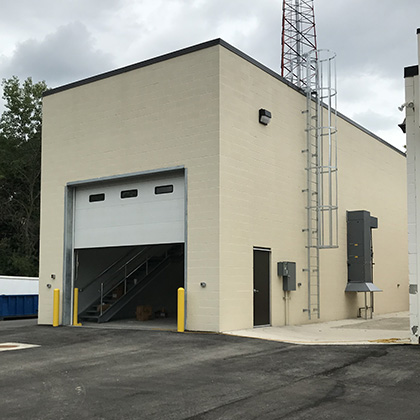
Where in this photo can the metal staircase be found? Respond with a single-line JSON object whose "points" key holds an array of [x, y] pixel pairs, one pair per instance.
{"points": [[128, 281], [114, 270]]}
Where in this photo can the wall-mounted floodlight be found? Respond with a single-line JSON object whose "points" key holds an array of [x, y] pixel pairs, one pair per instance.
{"points": [[403, 126], [264, 116]]}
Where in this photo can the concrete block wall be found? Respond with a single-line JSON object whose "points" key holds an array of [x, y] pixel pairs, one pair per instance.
{"points": [[262, 177], [162, 115], [244, 181], [373, 177]]}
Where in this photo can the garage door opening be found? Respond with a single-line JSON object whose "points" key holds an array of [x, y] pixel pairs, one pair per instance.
{"points": [[125, 246], [131, 282]]}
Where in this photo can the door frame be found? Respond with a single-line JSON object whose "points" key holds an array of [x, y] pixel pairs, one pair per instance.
{"points": [[69, 214], [268, 250]]}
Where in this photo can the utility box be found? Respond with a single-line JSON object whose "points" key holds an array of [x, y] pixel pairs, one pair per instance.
{"points": [[360, 251], [287, 270]]}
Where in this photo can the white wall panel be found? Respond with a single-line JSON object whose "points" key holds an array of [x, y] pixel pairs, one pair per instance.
{"points": [[148, 218]]}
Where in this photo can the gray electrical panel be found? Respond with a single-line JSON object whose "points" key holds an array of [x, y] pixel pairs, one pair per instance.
{"points": [[287, 270], [360, 251]]}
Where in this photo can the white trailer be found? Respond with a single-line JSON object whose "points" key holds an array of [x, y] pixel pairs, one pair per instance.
{"points": [[11, 285]]}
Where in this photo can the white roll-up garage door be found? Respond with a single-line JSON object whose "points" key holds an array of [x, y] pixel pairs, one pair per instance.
{"points": [[140, 211]]}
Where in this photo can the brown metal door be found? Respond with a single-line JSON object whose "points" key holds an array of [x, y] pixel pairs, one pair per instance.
{"points": [[261, 287]]}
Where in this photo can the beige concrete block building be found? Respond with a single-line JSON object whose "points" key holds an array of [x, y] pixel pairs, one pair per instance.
{"points": [[160, 175]]}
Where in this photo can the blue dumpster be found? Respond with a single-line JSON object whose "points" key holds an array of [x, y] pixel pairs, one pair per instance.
{"points": [[18, 306]]}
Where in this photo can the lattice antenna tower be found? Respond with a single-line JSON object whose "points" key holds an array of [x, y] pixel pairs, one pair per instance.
{"points": [[298, 40]]}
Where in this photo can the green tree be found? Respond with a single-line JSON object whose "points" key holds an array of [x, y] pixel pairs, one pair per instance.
{"points": [[20, 173]]}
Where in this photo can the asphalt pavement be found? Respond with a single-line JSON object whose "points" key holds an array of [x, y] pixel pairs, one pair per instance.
{"points": [[88, 373]]}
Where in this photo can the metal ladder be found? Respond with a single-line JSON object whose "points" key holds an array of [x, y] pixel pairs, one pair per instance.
{"points": [[321, 168], [312, 205]]}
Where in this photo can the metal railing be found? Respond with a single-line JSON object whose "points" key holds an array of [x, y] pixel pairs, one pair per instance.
{"points": [[108, 286], [108, 272]]}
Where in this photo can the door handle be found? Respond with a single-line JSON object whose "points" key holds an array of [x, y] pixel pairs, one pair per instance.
{"points": [[256, 291]]}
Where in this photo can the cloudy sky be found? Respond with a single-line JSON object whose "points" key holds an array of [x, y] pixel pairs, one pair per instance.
{"points": [[61, 41]]}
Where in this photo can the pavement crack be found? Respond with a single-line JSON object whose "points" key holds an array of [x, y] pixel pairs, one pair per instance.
{"points": [[357, 360], [337, 390], [253, 355]]}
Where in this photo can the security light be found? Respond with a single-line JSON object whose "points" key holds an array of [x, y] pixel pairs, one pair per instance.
{"points": [[403, 126], [265, 116]]}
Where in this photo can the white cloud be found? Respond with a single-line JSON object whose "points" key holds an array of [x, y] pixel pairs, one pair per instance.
{"points": [[63, 41], [372, 101], [61, 57]]}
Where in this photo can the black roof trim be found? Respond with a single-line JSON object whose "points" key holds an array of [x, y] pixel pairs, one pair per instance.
{"points": [[198, 47], [135, 66], [411, 71], [259, 65], [365, 130], [174, 54]]}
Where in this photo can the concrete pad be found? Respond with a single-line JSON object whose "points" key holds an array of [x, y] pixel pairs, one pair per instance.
{"points": [[382, 329], [160, 324]]}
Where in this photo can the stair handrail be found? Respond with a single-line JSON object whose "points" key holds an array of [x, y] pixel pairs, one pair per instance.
{"points": [[104, 291], [112, 279], [114, 286], [166, 257], [91, 290], [143, 250]]}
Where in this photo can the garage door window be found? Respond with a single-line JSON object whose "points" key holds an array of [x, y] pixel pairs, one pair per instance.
{"points": [[96, 197], [129, 193], [164, 189]]}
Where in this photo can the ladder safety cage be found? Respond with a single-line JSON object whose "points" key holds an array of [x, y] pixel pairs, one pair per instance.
{"points": [[321, 93], [321, 166]]}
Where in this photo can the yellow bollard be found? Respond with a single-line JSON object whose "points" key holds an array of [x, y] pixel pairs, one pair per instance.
{"points": [[181, 309], [76, 308], [56, 307]]}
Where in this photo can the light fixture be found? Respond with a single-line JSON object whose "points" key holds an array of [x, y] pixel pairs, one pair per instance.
{"points": [[264, 116], [403, 126]]}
